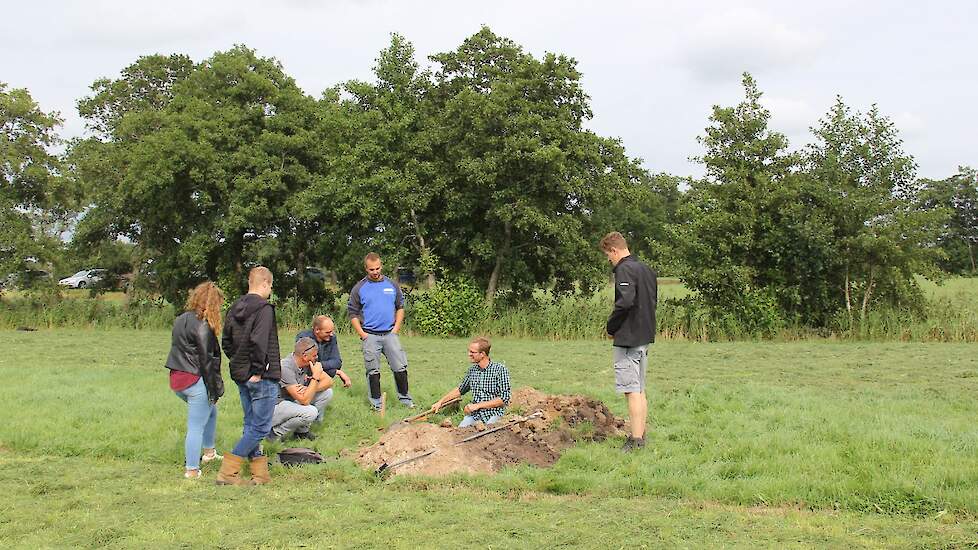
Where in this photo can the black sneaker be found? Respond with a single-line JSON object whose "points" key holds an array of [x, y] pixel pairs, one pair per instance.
{"points": [[632, 444], [304, 435]]}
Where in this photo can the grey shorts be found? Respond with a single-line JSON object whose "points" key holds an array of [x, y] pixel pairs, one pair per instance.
{"points": [[388, 345], [630, 366]]}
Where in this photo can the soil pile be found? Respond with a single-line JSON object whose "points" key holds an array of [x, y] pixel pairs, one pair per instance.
{"points": [[564, 419]]}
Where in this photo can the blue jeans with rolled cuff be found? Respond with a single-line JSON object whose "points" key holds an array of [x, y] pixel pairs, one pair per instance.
{"points": [[201, 423]]}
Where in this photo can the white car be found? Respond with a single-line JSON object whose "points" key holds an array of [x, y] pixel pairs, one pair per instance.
{"points": [[84, 278]]}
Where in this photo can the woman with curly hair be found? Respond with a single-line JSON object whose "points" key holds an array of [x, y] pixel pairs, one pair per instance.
{"points": [[195, 372]]}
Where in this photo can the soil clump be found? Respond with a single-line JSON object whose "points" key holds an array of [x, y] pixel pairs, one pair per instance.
{"points": [[564, 420]]}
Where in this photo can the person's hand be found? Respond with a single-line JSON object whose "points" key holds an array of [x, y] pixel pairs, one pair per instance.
{"points": [[363, 336], [317, 369], [346, 379], [255, 378], [470, 408]]}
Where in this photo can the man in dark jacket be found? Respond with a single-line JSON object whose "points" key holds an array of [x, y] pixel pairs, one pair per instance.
{"points": [[632, 325], [323, 332], [250, 341]]}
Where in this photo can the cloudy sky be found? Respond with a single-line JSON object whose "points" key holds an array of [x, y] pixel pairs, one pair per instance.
{"points": [[653, 69]]}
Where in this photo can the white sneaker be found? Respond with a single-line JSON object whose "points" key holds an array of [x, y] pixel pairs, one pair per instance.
{"points": [[191, 474]]}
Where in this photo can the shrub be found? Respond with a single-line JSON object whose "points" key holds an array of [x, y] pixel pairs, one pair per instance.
{"points": [[451, 308]]}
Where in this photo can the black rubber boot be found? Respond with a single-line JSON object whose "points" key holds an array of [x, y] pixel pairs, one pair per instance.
{"points": [[401, 381], [374, 381]]}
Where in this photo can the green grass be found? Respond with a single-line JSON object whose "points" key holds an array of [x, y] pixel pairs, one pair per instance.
{"points": [[822, 444]]}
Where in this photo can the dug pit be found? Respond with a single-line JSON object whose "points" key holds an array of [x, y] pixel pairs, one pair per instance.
{"points": [[563, 421]]}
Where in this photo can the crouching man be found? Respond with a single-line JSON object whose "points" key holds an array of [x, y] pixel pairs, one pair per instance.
{"points": [[305, 392], [489, 383]]}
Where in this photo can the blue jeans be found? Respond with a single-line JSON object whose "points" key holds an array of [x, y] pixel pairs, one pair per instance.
{"points": [[258, 403], [201, 422], [469, 420]]}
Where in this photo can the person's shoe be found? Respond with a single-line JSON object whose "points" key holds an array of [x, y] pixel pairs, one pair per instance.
{"points": [[192, 474], [259, 471], [633, 443], [207, 457], [230, 473], [407, 403], [304, 435]]}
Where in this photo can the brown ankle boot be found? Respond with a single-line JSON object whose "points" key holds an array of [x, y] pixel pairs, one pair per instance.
{"points": [[230, 473], [259, 470]]}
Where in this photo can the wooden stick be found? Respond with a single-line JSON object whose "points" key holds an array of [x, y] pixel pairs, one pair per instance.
{"points": [[420, 416], [383, 404]]}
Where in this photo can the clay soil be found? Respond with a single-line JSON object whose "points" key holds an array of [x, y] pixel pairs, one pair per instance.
{"points": [[564, 420]]}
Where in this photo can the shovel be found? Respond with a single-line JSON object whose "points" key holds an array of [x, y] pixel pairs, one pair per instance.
{"points": [[500, 427], [386, 468], [421, 416]]}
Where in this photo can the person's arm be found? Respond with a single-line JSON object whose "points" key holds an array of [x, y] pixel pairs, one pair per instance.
{"points": [[305, 394], [447, 397], [331, 358], [227, 339], [492, 403], [398, 319], [211, 373], [398, 308], [625, 300], [354, 310], [262, 327]]}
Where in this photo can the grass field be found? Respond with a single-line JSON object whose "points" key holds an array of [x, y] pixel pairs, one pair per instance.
{"points": [[811, 444]]}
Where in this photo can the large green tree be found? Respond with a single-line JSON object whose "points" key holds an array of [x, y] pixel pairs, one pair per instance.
{"points": [[524, 173], [882, 236], [200, 176], [34, 199], [958, 195]]}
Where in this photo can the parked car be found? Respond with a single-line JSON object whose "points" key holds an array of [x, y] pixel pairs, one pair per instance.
{"points": [[24, 279], [312, 274], [85, 278]]}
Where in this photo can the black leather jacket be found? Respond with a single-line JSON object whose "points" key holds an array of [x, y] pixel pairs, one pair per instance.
{"points": [[194, 349]]}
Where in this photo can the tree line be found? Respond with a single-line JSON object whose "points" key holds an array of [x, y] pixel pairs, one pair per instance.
{"points": [[480, 167]]}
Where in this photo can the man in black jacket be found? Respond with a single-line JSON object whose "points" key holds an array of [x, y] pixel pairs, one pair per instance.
{"points": [[250, 341], [632, 325]]}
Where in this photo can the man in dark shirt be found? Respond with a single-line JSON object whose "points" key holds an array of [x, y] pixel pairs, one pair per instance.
{"points": [[250, 341], [632, 325], [323, 332]]}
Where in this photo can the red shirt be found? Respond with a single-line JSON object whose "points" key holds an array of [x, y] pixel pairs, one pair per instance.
{"points": [[180, 380]]}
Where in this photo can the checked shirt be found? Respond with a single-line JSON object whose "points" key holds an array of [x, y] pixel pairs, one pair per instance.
{"points": [[486, 385]]}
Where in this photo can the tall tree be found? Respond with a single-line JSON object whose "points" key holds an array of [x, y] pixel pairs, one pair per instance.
{"points": [[204, 184], [958, 195], [33, 198], [524, 172], [881, 235]]}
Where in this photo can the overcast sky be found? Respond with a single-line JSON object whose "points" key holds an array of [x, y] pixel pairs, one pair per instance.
{"points": [[653, 69]]}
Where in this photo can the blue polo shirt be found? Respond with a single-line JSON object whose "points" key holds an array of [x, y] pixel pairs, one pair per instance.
{"points": [[375, 304]]}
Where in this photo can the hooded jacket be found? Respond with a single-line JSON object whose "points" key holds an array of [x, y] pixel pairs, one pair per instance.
{"points": [[194, 349], [632, 321], [250, 339]]}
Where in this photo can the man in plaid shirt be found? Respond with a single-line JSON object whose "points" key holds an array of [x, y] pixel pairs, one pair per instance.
{"points": [[489, 383]]}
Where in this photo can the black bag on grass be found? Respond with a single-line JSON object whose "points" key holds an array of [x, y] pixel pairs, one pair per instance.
{"points": [[298, 456]]}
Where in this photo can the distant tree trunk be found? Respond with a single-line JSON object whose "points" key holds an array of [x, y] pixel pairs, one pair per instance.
{"points": [[848, 291], [501, 255], [869, 291], [423, 249], [971, 254]]}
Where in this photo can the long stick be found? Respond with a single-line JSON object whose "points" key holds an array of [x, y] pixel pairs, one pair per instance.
{"points": [[431, 410], [497, 428]]}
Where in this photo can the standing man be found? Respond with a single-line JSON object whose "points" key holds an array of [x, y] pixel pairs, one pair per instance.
{"points": [[376, 311], [306, 391], [489, 383], [323, 332], [632, 325], [250, 341]]}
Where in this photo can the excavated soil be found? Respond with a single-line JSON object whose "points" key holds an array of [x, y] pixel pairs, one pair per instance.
{"points": [[564, 420]]}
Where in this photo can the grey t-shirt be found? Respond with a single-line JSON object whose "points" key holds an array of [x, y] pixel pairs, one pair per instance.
{"points": [[292, 374]]}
